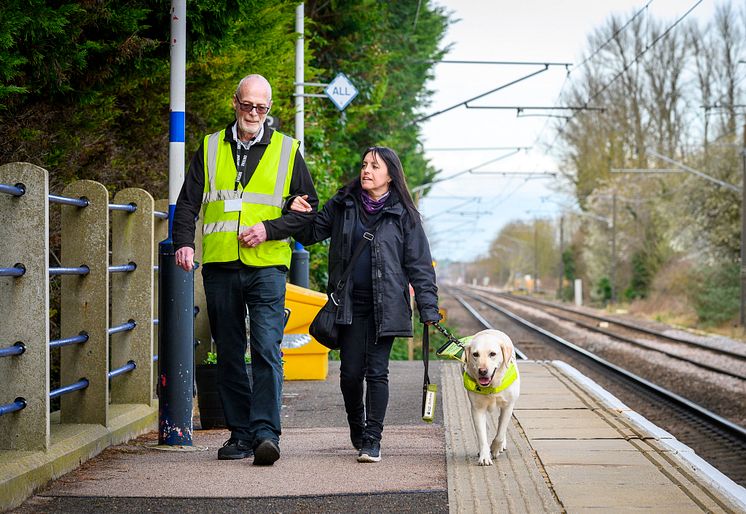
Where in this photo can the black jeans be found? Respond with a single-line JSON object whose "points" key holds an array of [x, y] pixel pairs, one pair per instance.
{"points": [[363, 357], [252, 415]]}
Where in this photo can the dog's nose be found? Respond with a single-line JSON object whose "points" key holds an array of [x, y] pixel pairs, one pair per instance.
{"points": [[483, 372]]}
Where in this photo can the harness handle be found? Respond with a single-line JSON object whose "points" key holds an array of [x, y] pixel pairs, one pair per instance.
{"points": [[425, 354], [428, 390], [448, 335], [453, 348]]}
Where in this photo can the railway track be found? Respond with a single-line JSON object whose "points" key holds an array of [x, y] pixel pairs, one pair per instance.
{"points": [[718, 440], [718, 360]]}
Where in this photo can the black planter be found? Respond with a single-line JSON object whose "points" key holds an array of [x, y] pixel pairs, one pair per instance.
{"points": [[208, 399]]}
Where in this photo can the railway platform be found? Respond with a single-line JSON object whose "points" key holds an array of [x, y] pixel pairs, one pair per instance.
{"points": [[572, 447]]}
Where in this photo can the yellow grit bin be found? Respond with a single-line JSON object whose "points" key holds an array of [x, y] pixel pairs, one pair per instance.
{"points": [[305, 358]]}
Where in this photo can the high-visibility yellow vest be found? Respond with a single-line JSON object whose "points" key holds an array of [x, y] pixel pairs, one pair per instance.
{"points": [[261, 199]]}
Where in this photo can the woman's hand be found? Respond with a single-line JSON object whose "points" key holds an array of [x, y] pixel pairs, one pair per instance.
{"points": [[300, 204]]}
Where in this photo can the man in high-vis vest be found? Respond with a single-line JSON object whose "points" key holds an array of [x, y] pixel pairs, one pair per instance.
{"points": [[240, 179]]}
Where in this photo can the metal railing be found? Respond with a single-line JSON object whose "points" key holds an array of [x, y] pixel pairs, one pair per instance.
{"points": [[94, 231], [17, 270], [16, 349]]}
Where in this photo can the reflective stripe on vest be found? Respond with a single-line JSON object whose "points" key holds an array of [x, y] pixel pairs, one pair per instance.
{"points": [[220, 226], [261, 199]]}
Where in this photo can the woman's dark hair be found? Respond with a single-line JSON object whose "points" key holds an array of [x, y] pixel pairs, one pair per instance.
{"points": [[396, 172]]}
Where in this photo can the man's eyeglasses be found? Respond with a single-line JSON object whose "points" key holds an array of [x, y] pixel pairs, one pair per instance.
{"points": [[248, 107]]}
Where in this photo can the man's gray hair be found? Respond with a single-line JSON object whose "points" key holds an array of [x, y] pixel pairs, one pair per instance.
{"points": [[258, 78]]}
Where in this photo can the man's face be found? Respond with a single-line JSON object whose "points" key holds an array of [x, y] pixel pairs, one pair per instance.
{"points": [[252, 98]]}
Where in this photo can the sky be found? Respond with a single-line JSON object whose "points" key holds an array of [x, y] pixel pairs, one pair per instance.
{"points": [[464, 214]]}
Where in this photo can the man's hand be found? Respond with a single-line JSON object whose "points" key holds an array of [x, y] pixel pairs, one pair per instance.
{"points": [[253, 236], [185, 258]]}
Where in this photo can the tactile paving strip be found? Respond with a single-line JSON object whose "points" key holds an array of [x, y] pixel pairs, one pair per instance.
{"points": [[514, 483]]}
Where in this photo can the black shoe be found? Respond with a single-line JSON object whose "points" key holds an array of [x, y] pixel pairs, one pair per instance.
{"points": [[266, 453], [234, 449], [370, 452]]}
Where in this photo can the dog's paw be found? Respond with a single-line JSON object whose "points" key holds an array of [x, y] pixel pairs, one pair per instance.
{"points": [[485, 459], [497, 447]]}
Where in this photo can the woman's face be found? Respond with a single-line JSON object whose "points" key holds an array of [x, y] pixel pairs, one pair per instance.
{"points": [[374, 176]]}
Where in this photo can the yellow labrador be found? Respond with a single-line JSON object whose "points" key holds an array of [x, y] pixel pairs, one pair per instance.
{"points": [[492, 381]]}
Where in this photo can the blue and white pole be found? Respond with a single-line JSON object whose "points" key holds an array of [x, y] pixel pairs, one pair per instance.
{"points": [[176, 286], [299, 259], [177, 107]]}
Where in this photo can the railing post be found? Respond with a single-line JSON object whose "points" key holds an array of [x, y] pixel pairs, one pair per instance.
{"points": [[24, 304], [132, 297], [85, 303]]}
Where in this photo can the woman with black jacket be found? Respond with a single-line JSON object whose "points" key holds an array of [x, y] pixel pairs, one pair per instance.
{"points": [[374, 307]]}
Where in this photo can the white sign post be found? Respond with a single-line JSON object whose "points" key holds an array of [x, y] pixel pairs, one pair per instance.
{"points": [[341, 91]]}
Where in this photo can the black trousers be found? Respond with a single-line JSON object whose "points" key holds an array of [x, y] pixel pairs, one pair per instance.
{"points": [[364, 361], [252, 414]]}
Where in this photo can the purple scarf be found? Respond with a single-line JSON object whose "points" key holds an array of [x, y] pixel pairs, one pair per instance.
{"points": [[370, 205]]}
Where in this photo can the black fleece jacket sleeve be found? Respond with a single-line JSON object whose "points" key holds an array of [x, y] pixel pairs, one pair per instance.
{"points": [[290, 221], [318, 225], [189, 202]]}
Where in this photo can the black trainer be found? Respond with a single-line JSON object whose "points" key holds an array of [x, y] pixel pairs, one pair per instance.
{"points": [[266, 453], [234, 449], [370, 452]]}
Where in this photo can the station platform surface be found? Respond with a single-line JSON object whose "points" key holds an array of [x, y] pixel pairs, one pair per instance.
{"points": [[572, 447]]}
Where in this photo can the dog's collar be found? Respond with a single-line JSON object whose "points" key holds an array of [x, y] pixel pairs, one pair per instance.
{"points": [[510, 375]]}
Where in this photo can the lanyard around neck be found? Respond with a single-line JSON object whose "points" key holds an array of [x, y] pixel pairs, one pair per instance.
{"points": [[241, 156]]}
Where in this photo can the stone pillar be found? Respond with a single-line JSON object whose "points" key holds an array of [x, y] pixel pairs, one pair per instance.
{"points": [[132, 297], [24, 304], [85, 303]]}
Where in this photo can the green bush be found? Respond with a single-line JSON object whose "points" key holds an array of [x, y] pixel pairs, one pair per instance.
{"points": [[602, 290], [567, 293], [212, 358], [716, 293], [399, 351], [644, 267]]}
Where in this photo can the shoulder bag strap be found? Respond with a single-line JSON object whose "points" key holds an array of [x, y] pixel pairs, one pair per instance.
{"points": [[367, 236]]}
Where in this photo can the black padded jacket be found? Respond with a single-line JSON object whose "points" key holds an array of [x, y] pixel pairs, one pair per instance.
{"points": [[400, 255]]}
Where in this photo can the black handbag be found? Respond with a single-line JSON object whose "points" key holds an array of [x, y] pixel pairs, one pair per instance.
{"points": [[324, 327]]}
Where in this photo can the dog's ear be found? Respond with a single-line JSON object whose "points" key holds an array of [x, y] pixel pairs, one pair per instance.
{"points": [[467, 353], [507, 350]]}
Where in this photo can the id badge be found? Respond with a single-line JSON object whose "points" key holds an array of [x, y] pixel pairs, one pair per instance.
{"points": [[233, 205]]}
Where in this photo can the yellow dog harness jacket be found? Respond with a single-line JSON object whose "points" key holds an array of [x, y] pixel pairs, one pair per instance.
{"points": [[471, 385]]}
